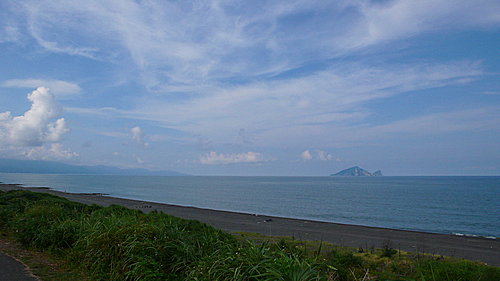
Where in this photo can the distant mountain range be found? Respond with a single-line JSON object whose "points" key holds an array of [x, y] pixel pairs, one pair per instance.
{"points": [[50, 167], [357, 172]]}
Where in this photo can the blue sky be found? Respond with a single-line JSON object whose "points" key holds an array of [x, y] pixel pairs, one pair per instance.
{"points": [[253, 87]]}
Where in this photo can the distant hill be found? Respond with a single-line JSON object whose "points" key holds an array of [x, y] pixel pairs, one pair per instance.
{"points": [[357, 172], [51, 167]]}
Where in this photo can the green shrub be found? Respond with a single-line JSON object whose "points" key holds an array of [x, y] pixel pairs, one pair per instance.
{"points": [[388, 252], [345, 263], [460, 270], [34, 224], [116, 243]]}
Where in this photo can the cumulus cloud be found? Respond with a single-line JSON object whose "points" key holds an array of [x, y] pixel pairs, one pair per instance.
{"points": [[48, 152], [37, 125], [59, 88], [324, 156], [316, 155], [138, 136], [35, 133], [221, 158], [306, 155]]}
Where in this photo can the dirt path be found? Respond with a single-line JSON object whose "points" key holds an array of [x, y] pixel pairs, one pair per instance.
{"points": [[13, 270]]}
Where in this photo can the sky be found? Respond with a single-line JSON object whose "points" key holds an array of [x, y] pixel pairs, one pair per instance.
{"points": [[222, 87]]}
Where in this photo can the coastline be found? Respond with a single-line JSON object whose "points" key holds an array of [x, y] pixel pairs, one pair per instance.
{"points": [[472, 248]]}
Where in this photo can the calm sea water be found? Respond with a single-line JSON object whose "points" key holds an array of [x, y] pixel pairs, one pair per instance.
{"points": [[460, 205]]}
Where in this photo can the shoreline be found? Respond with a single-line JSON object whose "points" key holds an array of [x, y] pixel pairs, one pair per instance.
{"points": [[468, 247], [271, 216]]}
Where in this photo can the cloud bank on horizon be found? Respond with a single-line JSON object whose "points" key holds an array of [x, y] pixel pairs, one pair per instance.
{"points": [[229, 87]]}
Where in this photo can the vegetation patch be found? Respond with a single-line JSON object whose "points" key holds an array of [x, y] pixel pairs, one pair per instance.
{"points": [[116, 243], [43, 265]]}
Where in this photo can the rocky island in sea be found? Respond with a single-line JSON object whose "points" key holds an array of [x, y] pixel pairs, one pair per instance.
{"points": [[357, 172]]}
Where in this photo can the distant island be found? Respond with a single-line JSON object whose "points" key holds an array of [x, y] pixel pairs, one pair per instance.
{"points": [[357, 172]]}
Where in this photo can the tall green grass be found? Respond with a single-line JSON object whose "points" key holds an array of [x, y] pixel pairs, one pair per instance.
{"points": [[116, 243]]}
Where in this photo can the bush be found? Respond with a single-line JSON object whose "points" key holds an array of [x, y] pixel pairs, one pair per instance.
{"points": [[116, 243], [438, 269], [344, 262], [388, 252]]}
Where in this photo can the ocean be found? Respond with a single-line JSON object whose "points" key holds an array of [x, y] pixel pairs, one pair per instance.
{"points": [[450, 205]]}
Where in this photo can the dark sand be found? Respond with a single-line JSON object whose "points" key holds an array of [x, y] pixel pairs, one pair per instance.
{"points": [[472, 248]]}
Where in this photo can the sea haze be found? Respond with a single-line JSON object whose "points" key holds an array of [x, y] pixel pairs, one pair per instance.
{"points": [[459, 205]]}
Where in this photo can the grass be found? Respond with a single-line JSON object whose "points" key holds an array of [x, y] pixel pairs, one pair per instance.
{"points": [[116, 243], [41, 264]]}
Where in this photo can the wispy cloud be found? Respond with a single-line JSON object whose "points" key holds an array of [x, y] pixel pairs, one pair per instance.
{"points": [[189, 46], [9, 34], [319, 100], [214, 158], [59, 88], [475, 119], [491, 93], [391, 20], [484, 119]]}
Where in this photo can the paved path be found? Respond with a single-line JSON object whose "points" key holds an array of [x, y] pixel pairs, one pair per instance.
{"points": [[13, 270], [473, 248]]}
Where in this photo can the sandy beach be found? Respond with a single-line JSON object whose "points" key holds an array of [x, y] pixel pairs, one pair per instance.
{"points": [[472, 248]]}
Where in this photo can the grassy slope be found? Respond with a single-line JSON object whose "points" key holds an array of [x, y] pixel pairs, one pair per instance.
{"points": [[115, 243]]}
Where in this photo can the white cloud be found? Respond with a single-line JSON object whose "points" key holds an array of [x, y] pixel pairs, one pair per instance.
{"points": [[54, 151], [482, 119], [36, 133], [59, 88], [316, 155], [333, 96], [37, 125], [139, 160], [393, 20], [138, 136], [214, 158], [191, 46], [202, 47], [114, 134], [56, 130], [295, 109], [4, 116], [9, 34], [306, 155], [60, 152], [324, 156], [476, 119], [491, 93], [9, 24]]}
